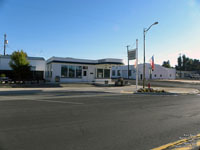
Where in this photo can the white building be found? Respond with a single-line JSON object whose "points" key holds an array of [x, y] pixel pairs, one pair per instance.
{"points": [[80, 70], [37, 66], [159, 72]]}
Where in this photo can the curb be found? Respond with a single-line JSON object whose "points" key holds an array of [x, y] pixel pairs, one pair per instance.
{"points": [[189, 143], [196, 148], [151, 93]]}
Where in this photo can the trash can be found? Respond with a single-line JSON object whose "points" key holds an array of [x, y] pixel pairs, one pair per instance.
{"points": [[57, 79], [106, 82]]}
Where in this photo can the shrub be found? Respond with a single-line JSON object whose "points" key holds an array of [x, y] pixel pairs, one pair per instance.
{"points": [[150, 90], [2, 75]]}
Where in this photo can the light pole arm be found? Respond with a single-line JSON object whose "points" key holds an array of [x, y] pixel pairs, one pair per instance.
{"points": [[150, 27]]}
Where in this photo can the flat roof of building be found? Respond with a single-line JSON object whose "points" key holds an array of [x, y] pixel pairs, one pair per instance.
{"points": [[30, 58], [84, 61]]}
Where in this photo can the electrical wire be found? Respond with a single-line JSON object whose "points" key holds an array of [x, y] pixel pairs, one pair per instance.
{"points": [[8, 46], [134, 44]]}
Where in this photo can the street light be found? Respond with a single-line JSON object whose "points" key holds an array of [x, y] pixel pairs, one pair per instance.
{"points": [[144, 32]]}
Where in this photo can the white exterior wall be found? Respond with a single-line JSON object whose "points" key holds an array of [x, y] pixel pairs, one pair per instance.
{"points": [[158, 73], [124, 72], [38, 64], [54, 64], [56, 71], [4, 63], [91, 73]]}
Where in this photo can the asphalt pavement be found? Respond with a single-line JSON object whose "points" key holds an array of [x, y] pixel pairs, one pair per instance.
{"points": [[95, 121]]}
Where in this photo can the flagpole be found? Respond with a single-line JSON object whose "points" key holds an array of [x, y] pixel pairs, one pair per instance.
{"points": [[136, 64], [128, 60]]}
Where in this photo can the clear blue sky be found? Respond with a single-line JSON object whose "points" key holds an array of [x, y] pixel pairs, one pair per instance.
{"points": [[96, 29]]}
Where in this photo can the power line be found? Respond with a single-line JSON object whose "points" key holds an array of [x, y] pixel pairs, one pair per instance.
{"points": [[11, 48], [133, 45]]}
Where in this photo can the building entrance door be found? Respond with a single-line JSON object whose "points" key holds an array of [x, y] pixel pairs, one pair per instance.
{"points": [[85, 75]]}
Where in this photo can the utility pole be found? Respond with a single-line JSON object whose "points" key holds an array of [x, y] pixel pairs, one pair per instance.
{"points": [[136, 64], [128, 59], [144, 61], [5, 42], [180, 64]]}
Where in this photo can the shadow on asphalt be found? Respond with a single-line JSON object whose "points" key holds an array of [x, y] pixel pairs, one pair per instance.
{"points": [[21, 92], [54, 93], [30, 85], [61, 93]]}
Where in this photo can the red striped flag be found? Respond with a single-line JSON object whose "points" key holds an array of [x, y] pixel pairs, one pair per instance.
{"points": [[152, 63]]}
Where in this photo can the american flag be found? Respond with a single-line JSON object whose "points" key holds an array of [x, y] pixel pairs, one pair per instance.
{"points": [[152, 63]]}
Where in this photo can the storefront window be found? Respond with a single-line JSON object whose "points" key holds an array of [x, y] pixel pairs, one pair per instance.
{"points": [[64, 71], [99, 73], [78, 71], [118, 73], [113, 72], [71, 71], [106, 73]]}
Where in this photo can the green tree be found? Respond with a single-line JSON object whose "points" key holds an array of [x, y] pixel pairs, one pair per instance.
{"points": [[166, 64], [20, 65], [179, 60], [187, 64]]}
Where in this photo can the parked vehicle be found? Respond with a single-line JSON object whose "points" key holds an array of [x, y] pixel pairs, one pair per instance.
{"points": [[195, 76], [4, 80]]}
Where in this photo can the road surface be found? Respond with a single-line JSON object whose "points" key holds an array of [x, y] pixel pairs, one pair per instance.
{"points": [[95, 120]]}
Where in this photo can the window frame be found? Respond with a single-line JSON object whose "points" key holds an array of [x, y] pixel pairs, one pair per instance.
{"points": [[64, 66], [80, 71], [118, 73], [75, 71], [97, 75], [113, 72], [104, 74]]}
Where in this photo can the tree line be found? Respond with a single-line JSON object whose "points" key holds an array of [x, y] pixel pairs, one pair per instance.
{"points": [[184, 63], [188, 64]]}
